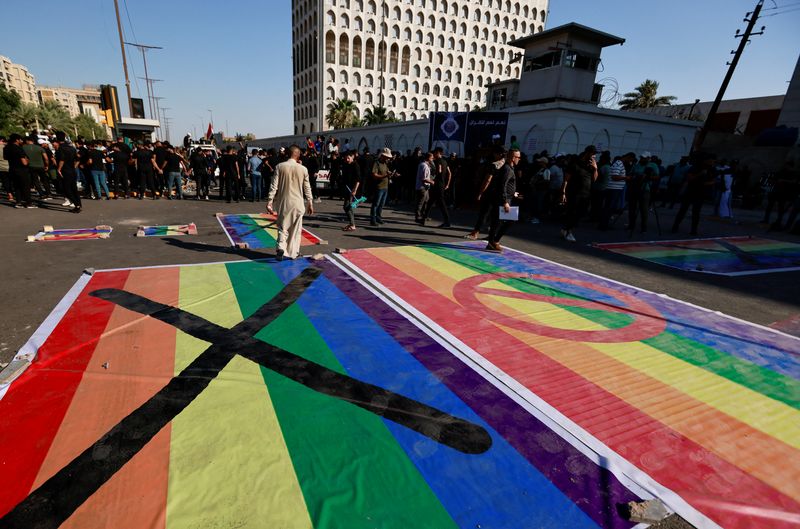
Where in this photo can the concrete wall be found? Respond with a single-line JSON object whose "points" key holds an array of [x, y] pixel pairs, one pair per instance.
{"points": [[556, 127]]}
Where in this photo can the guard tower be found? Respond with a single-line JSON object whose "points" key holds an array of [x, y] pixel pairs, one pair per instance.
{"points": [[560, 64]]}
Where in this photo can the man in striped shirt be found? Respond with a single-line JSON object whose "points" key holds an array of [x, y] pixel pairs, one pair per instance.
{"points": [[614, 193]]}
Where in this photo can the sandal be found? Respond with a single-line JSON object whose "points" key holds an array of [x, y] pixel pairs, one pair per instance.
{"points": [[349, 228]]}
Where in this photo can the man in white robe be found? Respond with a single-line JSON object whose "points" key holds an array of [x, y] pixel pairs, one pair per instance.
{"points": [[289, 198]]}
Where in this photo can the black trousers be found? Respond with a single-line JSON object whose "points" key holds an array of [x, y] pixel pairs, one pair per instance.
{"points": [[147, 181], [69, 180], [638, 205], [437, 199], [695, 200], [576, 208], [41, 180], [201, 177], [121, 180], [232, 188], [498, 227], [22, 185]]}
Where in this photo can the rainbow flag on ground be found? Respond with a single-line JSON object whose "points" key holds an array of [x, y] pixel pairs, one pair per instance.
{"points": [[285, 395], [698, 408], [731, 256], [257, 231], [48, 234], [170, 230]]}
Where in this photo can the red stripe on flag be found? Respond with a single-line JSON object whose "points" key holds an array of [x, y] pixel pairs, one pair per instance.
{"points": [[34, 406]]}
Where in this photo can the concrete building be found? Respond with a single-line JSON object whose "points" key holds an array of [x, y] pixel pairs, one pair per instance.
{"points": [[76, 101], [551, 106], [410, 56], [17, 78]]}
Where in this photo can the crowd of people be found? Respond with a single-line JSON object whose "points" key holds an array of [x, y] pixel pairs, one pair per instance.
{"points": [[590, 186]]}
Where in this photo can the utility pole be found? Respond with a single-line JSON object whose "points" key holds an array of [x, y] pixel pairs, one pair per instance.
{"points": [[166, 120], [701, 136], [144, 48], [158, 113], [124, 59], [151, 93]]}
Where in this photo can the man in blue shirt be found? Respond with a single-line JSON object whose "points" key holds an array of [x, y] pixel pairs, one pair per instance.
{"points": [[254, 167]]}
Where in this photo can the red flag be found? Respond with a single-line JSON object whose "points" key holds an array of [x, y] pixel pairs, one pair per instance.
{"points": [[210, 132]]}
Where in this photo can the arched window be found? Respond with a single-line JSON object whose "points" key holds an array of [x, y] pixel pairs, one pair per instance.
{"points": [[345, 21], [357, 52], [331, 75], [405, 60], [407, 34], [358, 24], [369, 59], [392, 100], [344, 50], [394, 58], [436, 90], [357, 79], [331, 18], [416, 70], [356, 96], [446, 91], [330, 47], [370, 26], [456, 93], [329, 93], [343, 77], [368, 81], [343, 93]]}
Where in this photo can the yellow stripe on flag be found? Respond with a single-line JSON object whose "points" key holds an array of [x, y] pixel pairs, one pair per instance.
{"points": [[229, 465]]}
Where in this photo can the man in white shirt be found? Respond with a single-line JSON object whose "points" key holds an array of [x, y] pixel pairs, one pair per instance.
{"points": [[424, 182]]}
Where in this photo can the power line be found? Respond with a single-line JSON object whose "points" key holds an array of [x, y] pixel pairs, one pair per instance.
{"points": [[133, 32]]}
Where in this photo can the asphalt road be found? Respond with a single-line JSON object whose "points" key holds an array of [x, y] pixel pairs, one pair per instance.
{"points": [[37, 275]]}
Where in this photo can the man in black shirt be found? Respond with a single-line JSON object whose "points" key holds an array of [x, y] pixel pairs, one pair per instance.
{"points": [[503, 191], [351, 175], [160, 150], [577, 188], [119, 159], [173, 165], [145, 163], [230, 175], [489, 172], [699, 180], [67, 160], [199, 166], [18, 169]]}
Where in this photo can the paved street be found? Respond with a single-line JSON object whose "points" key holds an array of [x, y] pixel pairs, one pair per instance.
{"points": [[37, 275]]}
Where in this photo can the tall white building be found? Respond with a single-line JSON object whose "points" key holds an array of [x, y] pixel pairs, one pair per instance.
{"points": [[16, 77], [410, 56]]}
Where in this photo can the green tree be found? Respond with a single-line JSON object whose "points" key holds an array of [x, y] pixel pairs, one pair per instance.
{"points": [[53, 116], [645, 96], [377, 115], [88, 127], [9, 104], [341, 114], [24, 117]]}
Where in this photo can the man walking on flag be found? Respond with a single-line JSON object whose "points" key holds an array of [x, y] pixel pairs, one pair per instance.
{"points": [[291, 192]]}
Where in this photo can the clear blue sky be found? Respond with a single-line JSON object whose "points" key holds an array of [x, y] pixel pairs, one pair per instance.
{"points": [[236, 58]]}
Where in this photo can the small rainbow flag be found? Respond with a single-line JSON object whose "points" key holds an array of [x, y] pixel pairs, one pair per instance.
{"points": [[731, 256], [48, 234], [258, 231], [699, 408], [167, 230]]}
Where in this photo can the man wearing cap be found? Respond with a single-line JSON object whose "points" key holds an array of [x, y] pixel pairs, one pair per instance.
{"points": [[289, 197], [576, 189], [380, 176], [37, 165]]}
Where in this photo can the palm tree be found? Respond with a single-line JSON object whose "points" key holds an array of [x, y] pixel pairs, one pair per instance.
{"points": [[341, 113], [645, 96], [377, 115]]}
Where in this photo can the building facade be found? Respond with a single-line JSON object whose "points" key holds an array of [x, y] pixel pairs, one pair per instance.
{"points": [[17, 78], [76, 101], [409, 56]]}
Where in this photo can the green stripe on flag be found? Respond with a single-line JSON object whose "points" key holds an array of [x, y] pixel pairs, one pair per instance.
{"points": [[351, 469], [765, 381]]}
